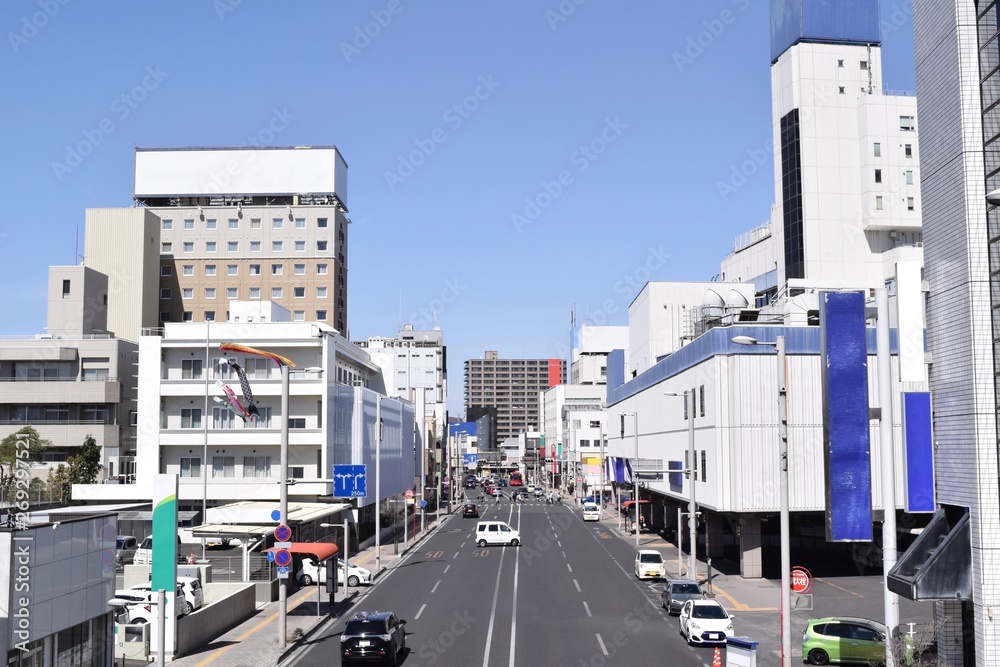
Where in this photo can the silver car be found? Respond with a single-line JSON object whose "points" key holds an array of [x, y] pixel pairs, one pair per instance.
{"points": [[677, 592]]}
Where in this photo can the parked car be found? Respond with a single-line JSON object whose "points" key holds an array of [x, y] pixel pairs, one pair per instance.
{"points": [[470, 510], [142, 599], [144, 552], [372, 635], [837, 639], [308, 574], [125, 546], [705, 622], [679, 591], [649, 564]]}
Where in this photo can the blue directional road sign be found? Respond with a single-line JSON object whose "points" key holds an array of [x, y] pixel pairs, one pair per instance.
{"points": [[350, 481], [470, 459]]}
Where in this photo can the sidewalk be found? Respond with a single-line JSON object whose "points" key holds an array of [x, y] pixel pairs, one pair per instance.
{"points": [[254, 642]]}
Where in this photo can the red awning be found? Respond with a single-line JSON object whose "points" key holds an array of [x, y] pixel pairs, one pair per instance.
{"points": [[318, 550], [628, 503]]}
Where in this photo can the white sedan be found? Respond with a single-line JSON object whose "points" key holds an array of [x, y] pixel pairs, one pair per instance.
{"points": [[705, 622]]}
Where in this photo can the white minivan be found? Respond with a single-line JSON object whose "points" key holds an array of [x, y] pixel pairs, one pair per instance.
{"points": [[496, 532], [591, 512]]}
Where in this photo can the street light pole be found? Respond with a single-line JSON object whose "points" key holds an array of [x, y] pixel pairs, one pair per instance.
{"points": [[692, 505], [283, 504], [378, 487]]}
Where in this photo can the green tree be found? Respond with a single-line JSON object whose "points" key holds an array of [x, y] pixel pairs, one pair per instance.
{"points": [[36, 489], [84, 467], [60, 486], [18, 450]]}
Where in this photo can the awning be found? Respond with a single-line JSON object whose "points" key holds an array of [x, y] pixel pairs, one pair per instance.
{"points": [[938, 565], [318, 550], [227, 530], [629, 503]]}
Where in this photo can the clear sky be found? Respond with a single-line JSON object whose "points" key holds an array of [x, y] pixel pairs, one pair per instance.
{"points": [[507, 161]]}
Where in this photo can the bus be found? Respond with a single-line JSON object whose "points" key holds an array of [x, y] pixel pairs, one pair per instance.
{"points": [[515, 479]]}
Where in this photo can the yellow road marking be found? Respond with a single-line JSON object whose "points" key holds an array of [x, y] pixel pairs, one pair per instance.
{"points": [[840, 588], [739, 606]]}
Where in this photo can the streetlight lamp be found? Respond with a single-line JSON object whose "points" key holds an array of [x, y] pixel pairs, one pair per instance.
{"points": [[283, 481], [786, 559], [693, 476]]}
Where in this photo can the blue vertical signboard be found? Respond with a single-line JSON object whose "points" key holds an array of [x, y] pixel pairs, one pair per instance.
{"points": [[918, 452], [844, 359]]}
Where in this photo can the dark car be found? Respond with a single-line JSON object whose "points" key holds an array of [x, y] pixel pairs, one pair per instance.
{"points": [[372, 636], [470, 509], [677, 592]]}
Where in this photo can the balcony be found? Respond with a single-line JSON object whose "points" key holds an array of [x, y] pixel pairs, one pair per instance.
{"points": [[69, 433], [61, 390]]}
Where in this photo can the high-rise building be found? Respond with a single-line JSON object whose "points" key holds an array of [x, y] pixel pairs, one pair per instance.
{"points": [[215, 225], [513, 387]]}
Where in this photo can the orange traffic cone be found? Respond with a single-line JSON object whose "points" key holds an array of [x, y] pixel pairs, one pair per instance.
{"points": [[717, 658]]}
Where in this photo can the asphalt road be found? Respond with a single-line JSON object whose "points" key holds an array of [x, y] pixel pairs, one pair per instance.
{"points": [[566, 596]]}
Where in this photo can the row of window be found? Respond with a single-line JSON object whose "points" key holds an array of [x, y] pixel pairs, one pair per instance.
{"points": [[908, 175], [911, 204], [907, 148], [277, 269], [167, 247], [225, 466], [234, 293], [234, 223], [188, 316]]}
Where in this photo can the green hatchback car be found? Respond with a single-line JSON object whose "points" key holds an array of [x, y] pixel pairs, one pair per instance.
{"points": [[843, 639]]}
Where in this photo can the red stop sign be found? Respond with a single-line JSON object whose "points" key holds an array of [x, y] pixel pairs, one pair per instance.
{"points": [[802, 581]]}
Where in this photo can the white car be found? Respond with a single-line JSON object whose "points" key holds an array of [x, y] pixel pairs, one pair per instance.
{"points": [[649, 565], [356, 576], [705, 622], [141, 600]]}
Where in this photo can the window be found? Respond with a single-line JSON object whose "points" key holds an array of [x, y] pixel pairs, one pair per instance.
{"points": [[908, 150], [166, 224], [296, 422], [165, 293], [299, 316], [166, 248], [166, 271], [321, 269], [187, 293], [255, 246], [878, 203], [210, 269], [257, 369], [300, 223], [701, 399], [275, 292], [255, 269], [909, 177], [864, 65], [189, 224], [95, 374], [232, 292], [300, 246], [299, 292], [209, 315], [840, 63], [277, 223], [321, 223], [191, 369], [277, 246], [907, 123], [190, 417], [232, 270], [234, 223], [320, 292], [254, 223], [96, 414], [233, 246], [209, 292], [224, 466], [187, 269], [256, 466], [704, 466], [211, 223], [187, 316], [189, 246], [300, 269], [878, 175], [276, 269], [320, 315], [190, 466], [321, 245], [222, 418], [164, 316], [210, 246], [297, 472], [843, 90], [254, 292], [263, 419], [878, 149], [910, 204]]}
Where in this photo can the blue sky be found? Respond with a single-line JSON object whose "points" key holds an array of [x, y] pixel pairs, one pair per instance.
{"points": [[507, 161]]}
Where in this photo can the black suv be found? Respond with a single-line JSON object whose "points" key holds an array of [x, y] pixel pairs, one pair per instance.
{"points": [[470, 509], [372, 636]]}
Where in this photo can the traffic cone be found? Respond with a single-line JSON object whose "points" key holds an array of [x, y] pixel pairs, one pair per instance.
{"points": [[717, 658]]}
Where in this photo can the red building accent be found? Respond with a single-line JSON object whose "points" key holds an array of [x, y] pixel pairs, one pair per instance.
{"points": [[555, 372]]}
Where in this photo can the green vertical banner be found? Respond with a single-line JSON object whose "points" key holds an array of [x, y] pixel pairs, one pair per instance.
{"points": [[164, 533]]}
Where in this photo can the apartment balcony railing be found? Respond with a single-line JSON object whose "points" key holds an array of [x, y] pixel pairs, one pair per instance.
{"points": [[59, 390]]}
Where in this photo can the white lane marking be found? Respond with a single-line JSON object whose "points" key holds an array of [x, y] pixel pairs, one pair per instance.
{"points": [[568, 567], [420, 611], [434, 590], [563, 553], [586, 608], [601, 642], [513, 614], [493, 612], [577, 584], [455, 556], [446, 569], [558, 543]]}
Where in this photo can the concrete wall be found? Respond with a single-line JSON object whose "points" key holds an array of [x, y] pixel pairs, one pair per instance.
{"points": [[231, 604]]}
